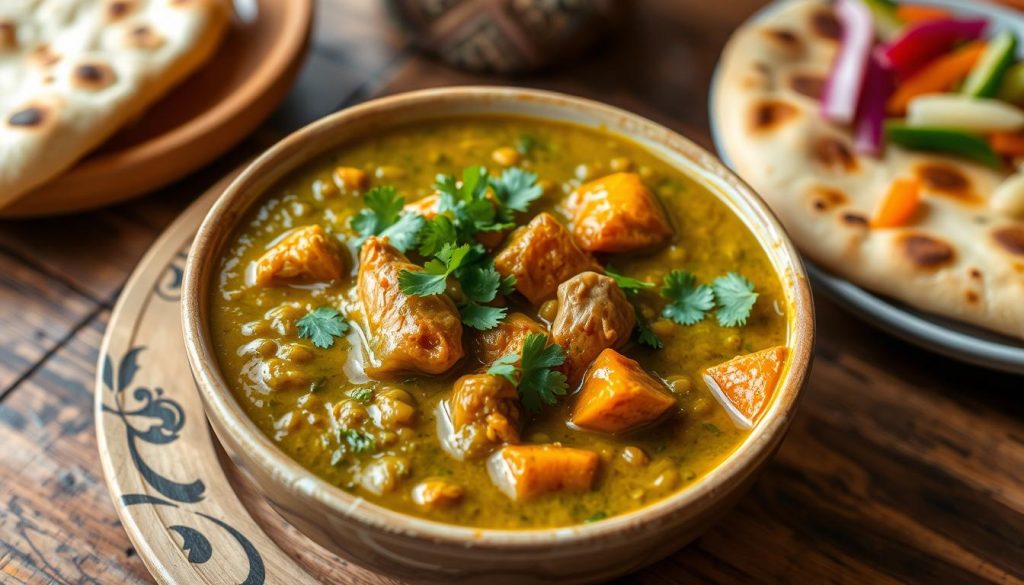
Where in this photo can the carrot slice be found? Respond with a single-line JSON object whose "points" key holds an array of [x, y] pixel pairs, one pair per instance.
{"points": [[745, 384], [1008, 143], [899, 204], [914, 13], [938, 76], [1018, 4]]}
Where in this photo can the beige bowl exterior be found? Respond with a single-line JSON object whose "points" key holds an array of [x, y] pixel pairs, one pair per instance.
{"points": [[420, 550]]}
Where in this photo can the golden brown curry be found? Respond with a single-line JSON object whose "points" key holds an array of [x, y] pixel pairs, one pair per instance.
{"points": [[444, 402]]}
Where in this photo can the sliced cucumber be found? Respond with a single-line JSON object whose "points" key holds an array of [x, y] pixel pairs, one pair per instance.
{"points": [[1012, 88], [986, 77], [887, 22]]}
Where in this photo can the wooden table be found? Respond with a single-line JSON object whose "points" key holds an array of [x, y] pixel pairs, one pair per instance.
{"points": [[901, 465]]}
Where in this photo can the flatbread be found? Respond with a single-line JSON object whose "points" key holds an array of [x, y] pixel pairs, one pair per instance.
{"points": [[72, 72], [959, 258]]}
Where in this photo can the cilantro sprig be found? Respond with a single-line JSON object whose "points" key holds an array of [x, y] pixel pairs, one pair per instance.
{"points": [[689, 302], [383, 216], [533, 372], [433, 279], [631, 286], [480, 282], [736, 297], [514, 190], [321, 326]]}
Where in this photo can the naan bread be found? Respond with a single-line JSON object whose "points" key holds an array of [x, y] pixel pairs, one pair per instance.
{"points": [[959, 257], [74, 71]]}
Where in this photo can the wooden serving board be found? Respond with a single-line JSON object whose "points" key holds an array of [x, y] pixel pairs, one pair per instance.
{"points": [[191, 515]]}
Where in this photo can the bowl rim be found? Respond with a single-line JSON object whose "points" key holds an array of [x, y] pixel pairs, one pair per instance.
{"points": [[222, 407]]}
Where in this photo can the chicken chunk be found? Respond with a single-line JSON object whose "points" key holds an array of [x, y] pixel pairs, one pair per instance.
{"points": [[305, 255], [488, 400], [508, 337], [593, 315], [406, 333], [522, 472], [435, 494], [617, 213], [618, 396], [542, 255], [482, 413]]}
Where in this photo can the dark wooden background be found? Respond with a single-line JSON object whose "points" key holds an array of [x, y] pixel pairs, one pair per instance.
{"points": [[901, 466]]}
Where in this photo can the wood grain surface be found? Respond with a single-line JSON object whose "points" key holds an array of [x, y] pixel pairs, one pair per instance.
{"points": [[902, 466]]}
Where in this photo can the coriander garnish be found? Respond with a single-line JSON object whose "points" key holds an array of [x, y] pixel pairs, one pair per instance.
{"points": [[321, 326], [688, 301], [383, 216], [533, 372]]}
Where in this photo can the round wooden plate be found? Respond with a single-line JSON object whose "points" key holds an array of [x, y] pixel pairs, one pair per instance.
{"points": [[191, 515], [200, 119]]}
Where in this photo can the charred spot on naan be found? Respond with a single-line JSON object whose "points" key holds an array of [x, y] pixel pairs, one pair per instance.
{"points": [[926, 252], [974, 273], [826, 198], [946, 179], [93, 76], [1010, 238], [833, 154], [785, 40], [769, 115], [118, 9], [972, 297], [143, 37], [29, 117], [825, 25], [807, 84], [8, 35], [854, 219], [42, 56]]}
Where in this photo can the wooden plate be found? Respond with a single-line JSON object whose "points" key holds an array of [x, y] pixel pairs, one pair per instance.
{"points": [[950, 338], [190, 514], [197, 121]]}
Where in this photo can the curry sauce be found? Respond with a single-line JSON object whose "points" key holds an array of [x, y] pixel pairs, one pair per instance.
{"points": [[376, 432]]}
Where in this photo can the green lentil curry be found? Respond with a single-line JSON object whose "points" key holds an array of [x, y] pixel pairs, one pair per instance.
{"points": [[302, 375]]}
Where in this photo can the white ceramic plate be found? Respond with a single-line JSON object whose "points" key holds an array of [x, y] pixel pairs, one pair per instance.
{"points": [[950, 338]]}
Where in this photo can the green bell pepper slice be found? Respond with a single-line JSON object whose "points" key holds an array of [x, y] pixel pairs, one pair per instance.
{"points": [[944, 140], [986, 77]]}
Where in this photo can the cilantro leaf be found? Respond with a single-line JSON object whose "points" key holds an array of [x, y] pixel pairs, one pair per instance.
{"points": [[480, 283], [481, 317], [321, 326], [626, 283], [514, 190], [688, 302], [468, 203], [360, 394], [403, 233], [534, 376], [525, 143], [736, 297], [506, 367], [644, 334], [356, 441], [508, 284], [382, 215], [433, 279], [435, 234], [539, 383]]}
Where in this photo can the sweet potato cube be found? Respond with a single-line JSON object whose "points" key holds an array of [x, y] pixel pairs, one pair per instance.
{"points": [[523, 472], [745, 384], [542, 255], [617, 213], [427, 206], [305, 255], [618, 396]]}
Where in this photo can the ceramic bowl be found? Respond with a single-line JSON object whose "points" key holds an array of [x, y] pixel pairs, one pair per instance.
{"points": [[421, 550]]}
